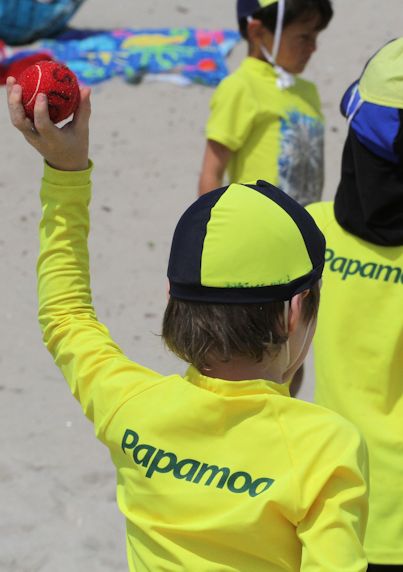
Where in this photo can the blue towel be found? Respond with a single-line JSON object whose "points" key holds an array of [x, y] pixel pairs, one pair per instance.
{"points": [[25, 21]]}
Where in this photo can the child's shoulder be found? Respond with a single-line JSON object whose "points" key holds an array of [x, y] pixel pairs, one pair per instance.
{"points": [[311, 425], [235, 87], [305, 83], [307, 88], [250, 73], [323, 213], [238, 78], [319, 442]]}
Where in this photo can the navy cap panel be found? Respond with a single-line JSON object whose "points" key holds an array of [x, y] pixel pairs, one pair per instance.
{"points": [[187, 244], [254, 295], [246, 8]]}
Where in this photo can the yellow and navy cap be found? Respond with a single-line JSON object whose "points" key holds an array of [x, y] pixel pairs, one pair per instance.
{"points": [[247, 8], [374, 103], [382, 79], [245, 244]]}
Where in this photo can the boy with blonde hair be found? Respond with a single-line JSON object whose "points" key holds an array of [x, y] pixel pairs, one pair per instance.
{"points": [[218, 470]]}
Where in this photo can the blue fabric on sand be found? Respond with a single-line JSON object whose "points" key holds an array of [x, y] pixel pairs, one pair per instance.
{"points": [[25, 21]]}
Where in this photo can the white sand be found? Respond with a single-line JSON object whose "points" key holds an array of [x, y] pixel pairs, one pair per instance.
{"points": [[57, 496]]}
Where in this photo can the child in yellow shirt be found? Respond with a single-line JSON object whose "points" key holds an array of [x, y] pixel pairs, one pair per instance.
{"points": [[265, 121], [359, 341], [218, 470]]}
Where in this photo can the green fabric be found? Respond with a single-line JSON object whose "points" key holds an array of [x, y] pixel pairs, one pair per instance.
{"points": [[382, 80], [243, 217], [265, 3]]}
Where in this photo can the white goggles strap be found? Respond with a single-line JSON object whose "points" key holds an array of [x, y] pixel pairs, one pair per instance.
{"points": [[277, 34], [355, 111], [287, 343], [284, 78], [279, 29]]}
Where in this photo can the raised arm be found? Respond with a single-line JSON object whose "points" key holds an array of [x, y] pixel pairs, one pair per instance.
{"points": [[99, 375], [63, 149]]}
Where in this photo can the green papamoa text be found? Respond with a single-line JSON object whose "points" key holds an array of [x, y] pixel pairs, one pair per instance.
{"points": [[160, 461], [348, 267]]}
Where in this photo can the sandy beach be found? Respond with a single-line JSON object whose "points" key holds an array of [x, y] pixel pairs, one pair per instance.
{"points": [[57, 493]]}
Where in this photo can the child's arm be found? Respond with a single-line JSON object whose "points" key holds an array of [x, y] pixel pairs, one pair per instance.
{"points": [[216, 158], [98, 373], [64, 149], [233, 112], [333, 496]]}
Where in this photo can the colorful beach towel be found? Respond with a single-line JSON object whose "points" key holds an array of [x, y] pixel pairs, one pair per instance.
{"points": [[186, 54]]}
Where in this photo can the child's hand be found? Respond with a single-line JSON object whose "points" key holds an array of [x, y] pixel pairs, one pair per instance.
{"points": [[63, 148]]}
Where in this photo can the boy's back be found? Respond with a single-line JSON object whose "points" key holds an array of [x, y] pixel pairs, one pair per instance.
{"points": [[218, 477], [359, 341], [359, 364]]}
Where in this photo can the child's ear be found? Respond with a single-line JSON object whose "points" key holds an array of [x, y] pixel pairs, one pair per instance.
{"points": [[256, 30], [295, 311]]}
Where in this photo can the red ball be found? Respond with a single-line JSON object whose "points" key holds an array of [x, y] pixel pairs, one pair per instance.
{"points": [[57, 81]]}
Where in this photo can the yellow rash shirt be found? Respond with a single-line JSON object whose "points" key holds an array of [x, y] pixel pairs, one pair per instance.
{"points": [[212, 475], [276, 135], [358, 349]]}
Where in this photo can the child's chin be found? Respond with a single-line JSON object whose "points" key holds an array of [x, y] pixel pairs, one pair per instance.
{"points": [[298, 69], [302, 67]]}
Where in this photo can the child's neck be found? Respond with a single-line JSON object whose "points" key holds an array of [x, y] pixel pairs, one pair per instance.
{"points": [[256, 52], [242, 369]]}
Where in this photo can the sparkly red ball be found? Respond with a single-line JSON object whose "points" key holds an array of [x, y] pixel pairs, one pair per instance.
{"points": [[57, 81]]}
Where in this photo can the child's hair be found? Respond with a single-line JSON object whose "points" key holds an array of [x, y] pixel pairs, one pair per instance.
{"points": [[197, 332], [294, 10]]}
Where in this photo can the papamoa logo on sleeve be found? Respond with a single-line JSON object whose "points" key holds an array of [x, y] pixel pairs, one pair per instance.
{"points": [[159, 461], [348, 267]]}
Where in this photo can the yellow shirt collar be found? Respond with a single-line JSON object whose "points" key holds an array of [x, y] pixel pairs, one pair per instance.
{"points": [[235, 388], [261, 67]]}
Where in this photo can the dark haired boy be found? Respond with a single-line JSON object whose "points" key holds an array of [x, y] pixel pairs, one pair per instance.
{"points": [[219, 470], [265, 121], [359, 342]]}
